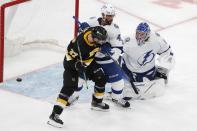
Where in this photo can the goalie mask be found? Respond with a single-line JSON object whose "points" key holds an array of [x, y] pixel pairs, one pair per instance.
{"points": [[142, 33], [108, 13]]}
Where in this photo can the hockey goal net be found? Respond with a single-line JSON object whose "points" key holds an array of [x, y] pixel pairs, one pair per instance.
{"points": [[35, 23]]}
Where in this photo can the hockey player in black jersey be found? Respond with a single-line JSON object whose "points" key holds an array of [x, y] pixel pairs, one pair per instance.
{"points": [[79, 61], [109, 55]]}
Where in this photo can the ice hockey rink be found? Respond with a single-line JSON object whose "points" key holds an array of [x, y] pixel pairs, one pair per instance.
{"points": [[26, 105]]}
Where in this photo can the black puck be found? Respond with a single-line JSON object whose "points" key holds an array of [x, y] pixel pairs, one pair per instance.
{"points": [[18, 79]]}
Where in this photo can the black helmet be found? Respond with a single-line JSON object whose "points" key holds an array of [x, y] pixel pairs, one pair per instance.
{"points": [[99, 32]]}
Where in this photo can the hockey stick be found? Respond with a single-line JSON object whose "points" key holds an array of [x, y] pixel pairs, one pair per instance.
{"points": [[80, 56], [76, 20], [82, 26], [127, 77]]}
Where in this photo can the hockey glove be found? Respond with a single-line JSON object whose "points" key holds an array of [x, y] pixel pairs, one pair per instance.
{"points": [[83, 26], [106, 48], [80, 66]]}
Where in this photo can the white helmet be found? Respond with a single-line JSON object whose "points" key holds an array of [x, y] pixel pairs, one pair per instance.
{"points": [[108, 9]]}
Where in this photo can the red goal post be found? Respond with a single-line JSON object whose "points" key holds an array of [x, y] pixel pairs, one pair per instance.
{"points": [[2, 26]]}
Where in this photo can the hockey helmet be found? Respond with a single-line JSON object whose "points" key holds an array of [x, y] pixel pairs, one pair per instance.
{"points": [[142, 32], [99, 33], [108, 9]]}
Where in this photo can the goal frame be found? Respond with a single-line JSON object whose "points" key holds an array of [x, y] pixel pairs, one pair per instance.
{"points": [[2, 28]]}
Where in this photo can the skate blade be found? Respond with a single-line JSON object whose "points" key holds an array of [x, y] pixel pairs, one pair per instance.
{"points": [[54, 124]]}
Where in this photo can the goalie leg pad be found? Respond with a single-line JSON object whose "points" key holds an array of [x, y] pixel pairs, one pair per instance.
{"points": [[147, 90], [152, 89]]}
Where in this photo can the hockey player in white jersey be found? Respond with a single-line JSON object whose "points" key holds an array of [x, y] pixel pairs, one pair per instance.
{"points": [[147, 57], [116, 44]]}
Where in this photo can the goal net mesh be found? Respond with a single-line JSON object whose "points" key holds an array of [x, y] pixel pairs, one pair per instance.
{"points": [[38, 24]]}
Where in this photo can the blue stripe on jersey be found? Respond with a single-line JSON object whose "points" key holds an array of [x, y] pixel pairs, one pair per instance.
{"points": [[150, 74]]}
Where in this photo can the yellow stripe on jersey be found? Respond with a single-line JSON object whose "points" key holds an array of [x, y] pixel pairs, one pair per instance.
{"points": [[88, 61], [86, 38], [68, 57], [93, 52]]}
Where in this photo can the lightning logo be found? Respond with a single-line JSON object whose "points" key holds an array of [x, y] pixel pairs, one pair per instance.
{"points": [[146, 58]]}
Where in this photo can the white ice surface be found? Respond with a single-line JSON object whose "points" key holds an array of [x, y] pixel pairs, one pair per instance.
{"points": [[175, 111]]}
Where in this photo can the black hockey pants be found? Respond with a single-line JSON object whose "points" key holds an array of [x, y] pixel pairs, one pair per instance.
{"points": [[70, 78]]}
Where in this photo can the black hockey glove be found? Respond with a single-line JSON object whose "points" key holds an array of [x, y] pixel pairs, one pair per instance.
{"points": [[80, 66]]}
